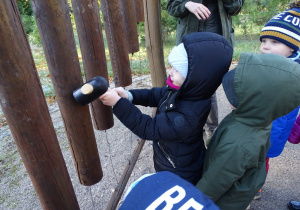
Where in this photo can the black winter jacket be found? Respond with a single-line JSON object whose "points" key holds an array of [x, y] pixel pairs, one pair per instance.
{"points": [[177, 128]]}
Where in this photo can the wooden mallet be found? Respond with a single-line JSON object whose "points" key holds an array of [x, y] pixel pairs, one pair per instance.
{"points": [[90, 90]]}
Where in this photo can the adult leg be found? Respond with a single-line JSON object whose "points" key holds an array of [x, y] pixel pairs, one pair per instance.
{"points": [[212, 121]]}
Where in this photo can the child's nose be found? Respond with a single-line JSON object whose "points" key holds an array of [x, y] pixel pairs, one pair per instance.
{"points": [[266, 46]]}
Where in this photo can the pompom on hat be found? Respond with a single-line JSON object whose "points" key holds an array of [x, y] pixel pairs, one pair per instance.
{"points": [[178, 59], [284, 27]]}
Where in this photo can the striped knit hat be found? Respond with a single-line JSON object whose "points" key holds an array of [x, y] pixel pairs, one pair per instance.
{"points": [[285, 28]]}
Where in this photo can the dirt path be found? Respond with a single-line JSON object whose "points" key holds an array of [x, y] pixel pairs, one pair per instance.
{"points": [[115, 147]]}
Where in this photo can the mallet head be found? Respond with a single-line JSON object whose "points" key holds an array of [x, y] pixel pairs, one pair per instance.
{"points": [[90, 90]]}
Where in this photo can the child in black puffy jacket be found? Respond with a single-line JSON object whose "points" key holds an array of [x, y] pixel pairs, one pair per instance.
{"points": [[198, 65]]}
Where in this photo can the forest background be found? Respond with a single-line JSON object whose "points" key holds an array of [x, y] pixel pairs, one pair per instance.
{"points": [[247, 25]]}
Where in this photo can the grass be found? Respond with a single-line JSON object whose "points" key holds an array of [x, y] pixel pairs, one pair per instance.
{"points": [[246, 42]]}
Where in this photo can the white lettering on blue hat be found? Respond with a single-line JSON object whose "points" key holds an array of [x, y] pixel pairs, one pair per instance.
{"points": [[278, 16], [297, 21], [170, 201]]}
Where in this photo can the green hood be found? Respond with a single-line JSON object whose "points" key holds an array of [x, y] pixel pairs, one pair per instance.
{"points": [[260, 77]]}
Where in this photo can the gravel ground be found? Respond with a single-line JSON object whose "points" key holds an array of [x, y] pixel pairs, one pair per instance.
{"points": [[115, 148]]}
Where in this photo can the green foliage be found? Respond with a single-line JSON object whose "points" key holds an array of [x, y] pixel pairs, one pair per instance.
{"points": [[28, 23], [258, 13], [34, 36], [24, 7], [168, 22]]}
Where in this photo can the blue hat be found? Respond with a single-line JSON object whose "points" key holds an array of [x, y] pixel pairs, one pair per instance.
{"points": [[228, 86], [284, 27], [165, 189]]}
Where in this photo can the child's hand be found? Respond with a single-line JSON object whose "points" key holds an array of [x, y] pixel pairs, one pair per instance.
{"points": [[122, 93], [110, 98]]}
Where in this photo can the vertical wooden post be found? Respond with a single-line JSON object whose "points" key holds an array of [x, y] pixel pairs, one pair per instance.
{"points": [[130, 24], [115, 35], [27, 114], [88, 24], [154, 43], [56, 32]]}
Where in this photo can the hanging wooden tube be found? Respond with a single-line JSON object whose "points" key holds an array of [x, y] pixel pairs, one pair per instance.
{"points": [[23, 103], [115, 35], [139, 11], [154, 43], [130, 23], [88, 24], [55, 29]]}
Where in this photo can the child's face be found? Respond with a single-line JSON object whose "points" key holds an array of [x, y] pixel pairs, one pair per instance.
{"points": [[176, 77], [273, 46]]}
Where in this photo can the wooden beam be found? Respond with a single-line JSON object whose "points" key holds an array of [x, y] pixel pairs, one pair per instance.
{"points": [[154, 43]]}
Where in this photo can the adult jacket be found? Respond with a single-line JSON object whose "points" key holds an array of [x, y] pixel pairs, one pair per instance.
{"points": [[187, 22], [235, 167], [177, 128]]}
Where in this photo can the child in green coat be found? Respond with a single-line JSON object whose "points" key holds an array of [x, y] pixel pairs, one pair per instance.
{"points": [[235, 162]]}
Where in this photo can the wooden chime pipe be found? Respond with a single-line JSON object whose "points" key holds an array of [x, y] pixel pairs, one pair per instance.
{"points": [[56, 32], [130, 24], [116, 40], [139, 11], [88, 24], [23, 103]]}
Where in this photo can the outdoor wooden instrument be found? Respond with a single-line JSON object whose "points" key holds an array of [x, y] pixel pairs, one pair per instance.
{"points": [[90, 90]]}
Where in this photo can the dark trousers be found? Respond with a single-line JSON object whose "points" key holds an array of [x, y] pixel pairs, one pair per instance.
{"points": [[212, 120]]}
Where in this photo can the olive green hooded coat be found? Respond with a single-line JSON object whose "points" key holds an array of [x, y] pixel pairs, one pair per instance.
{"points": [[267, 86], [188, 23]]}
